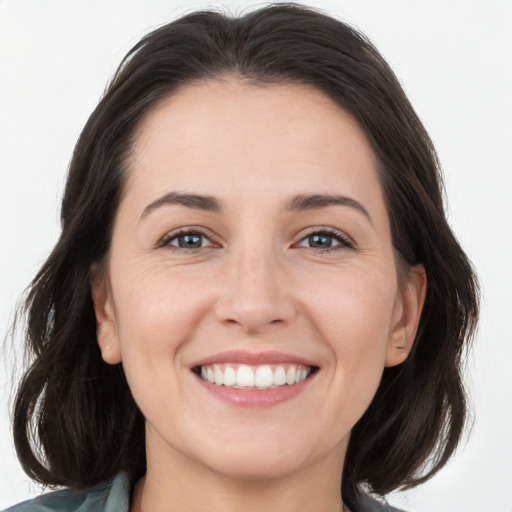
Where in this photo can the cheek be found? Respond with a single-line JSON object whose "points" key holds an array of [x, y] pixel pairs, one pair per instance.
{"points": [[156, 318], [353, 309], [156, 311], [353, 314]]}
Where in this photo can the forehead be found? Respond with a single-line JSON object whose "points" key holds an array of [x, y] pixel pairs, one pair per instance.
{"points": [[266, 139]]}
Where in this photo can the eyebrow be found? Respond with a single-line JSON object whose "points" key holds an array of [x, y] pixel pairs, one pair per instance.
{"points": [[297, 203], [315, 201], [196, 201]]}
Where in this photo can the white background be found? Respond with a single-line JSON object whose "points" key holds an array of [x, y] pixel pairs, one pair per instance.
{"points": [[454, 60]]}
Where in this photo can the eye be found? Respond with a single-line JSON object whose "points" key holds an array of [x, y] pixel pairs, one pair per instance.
{"points": [[185, 239], [326, 240]]}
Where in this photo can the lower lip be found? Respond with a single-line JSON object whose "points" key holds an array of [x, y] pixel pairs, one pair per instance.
{"points": [[256, 397]]}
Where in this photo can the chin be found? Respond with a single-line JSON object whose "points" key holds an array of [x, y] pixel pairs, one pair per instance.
{"points": [[263, 454], [253, 467]]}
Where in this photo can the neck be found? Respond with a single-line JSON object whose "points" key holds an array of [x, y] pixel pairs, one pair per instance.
{"points": [[185, 485]]}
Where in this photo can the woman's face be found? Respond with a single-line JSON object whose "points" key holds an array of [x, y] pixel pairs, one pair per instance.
{"points": [[252, 248]]}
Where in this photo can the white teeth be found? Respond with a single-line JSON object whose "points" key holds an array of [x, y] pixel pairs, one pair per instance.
{"points": [[229, 376], [219, 377], [290, 376], [244, 376], [279, 376], [264, 377], [261, 377]]}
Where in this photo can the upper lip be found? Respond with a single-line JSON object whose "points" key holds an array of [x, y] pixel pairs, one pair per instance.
{"points": [[252, 358]]}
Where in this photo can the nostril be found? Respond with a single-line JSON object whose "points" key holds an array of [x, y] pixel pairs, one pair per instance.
{"points": [[252, 310]]}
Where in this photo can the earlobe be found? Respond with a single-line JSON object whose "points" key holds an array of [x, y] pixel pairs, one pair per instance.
{"points": [[407, 316], [106, 325]]}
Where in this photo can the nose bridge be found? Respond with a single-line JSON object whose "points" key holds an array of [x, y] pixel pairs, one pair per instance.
{"points": [[255, 294], [256, 273]]}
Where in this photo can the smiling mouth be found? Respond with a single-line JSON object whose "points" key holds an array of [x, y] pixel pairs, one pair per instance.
{"points": [[257, 377]]}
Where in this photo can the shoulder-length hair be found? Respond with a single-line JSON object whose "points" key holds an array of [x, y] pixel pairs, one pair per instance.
{"points": [[75, 422]]}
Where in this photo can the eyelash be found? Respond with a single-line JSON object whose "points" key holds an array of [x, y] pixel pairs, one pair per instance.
{"points": [[344, 241], [166, 241]]}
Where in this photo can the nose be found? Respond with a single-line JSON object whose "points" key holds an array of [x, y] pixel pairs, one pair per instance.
{"points": [[255, 293]]}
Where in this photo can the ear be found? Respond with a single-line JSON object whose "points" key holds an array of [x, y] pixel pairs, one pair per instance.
{"points": [[406, 315], [106, 324]]}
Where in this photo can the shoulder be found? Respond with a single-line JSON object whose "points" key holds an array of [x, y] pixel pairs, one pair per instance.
{"points": [[366, 503], [111, 496]]}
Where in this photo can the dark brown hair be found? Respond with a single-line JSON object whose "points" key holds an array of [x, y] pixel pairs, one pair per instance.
{"points": [[75, 422]]}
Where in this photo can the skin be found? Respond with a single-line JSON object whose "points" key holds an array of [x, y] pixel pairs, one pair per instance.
{"points": [[256, 284]]}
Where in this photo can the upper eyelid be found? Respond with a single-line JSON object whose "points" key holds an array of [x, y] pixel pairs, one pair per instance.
{"points": [[173, 234], [328, 231], [211, 237]]}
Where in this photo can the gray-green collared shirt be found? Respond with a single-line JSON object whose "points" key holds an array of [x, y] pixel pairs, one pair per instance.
{"points": [[114, 496]]}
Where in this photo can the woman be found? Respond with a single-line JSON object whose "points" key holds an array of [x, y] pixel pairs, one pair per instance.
{"points": [[256, 300]]}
